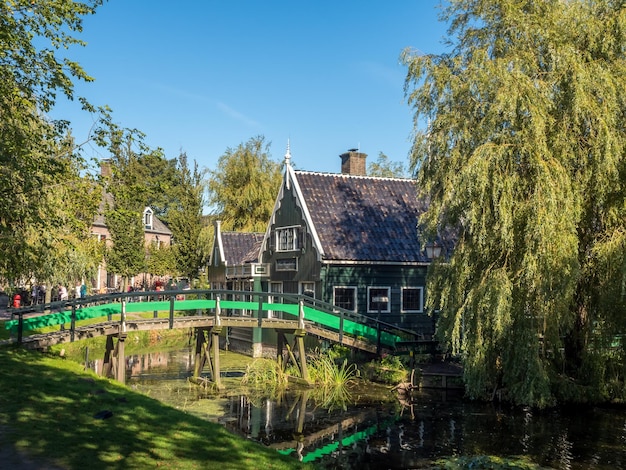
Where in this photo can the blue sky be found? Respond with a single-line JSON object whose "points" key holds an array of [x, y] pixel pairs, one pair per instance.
{"points": [[205, 76]]}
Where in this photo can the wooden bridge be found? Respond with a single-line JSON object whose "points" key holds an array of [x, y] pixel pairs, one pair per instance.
{"points": [[286, 314]]}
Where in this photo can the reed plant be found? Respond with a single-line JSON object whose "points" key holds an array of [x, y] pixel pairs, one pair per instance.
{"points": [[265, 373], [324, 370]]}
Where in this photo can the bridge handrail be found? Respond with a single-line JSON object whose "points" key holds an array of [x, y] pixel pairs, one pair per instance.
{"points": [[60, 307]]}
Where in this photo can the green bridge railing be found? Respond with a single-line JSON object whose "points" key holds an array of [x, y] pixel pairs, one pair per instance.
{"points": [[257, 304]]}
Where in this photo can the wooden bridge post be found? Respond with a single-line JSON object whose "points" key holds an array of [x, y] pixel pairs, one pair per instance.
{"points": [[257, 332], [123, 317], [300, 334], [121, 358], [215, 340], [301, 314], [341, 327], [218, 312], [20, 327], [172, 298], [199, 360], [73, 323], [108, 351]]}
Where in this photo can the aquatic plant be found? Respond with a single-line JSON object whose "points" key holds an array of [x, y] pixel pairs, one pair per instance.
{"points": [[388, 370], [324, 370], [264, 373]]}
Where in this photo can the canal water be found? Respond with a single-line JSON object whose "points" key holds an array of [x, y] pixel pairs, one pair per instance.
{"points": [[373, 428]]}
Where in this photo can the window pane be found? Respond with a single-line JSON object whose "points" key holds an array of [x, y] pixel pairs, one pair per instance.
{"points": [[287, 239], [412, 299], [345, 298], [378, 299]]}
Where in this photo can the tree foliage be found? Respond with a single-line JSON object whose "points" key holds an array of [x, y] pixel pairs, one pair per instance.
{"points": [[524, 158], [44, 206], [385, 168], [243, 187], [124, 209], [185, 218]]}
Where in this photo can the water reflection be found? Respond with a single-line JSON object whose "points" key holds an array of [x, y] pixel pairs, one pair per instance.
{"points": [[368, 432]]}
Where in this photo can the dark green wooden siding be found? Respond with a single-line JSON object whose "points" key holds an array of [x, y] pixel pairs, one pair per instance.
{"points": [[290, 215], [394, 277], [361, 276]]}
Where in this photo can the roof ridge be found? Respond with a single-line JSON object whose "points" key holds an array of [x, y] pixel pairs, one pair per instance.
{"points": [[345, 175]]}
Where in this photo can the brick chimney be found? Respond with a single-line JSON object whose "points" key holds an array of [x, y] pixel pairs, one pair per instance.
{"points": [[105, 167], [353, 163]]}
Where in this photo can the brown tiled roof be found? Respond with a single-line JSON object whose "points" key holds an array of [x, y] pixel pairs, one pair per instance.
{"points": [[241, 248], [158, 226], [361, 218]]}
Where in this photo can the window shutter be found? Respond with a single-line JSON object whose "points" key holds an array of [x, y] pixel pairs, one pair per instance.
{"points": [[300, 238], [272, 242]]}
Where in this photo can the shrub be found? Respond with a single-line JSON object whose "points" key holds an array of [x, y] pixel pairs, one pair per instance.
{"points": [[387, 370]]}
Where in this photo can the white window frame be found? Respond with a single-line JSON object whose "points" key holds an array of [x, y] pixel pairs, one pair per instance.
{"points": [[148, 218], [354, 290], [275, 288], [371, 299], [421, 306], [307, 286], [294, 261], [290, 243]]}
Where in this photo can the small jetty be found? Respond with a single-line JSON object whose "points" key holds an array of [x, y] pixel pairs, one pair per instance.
{"points": [[441, 374]]}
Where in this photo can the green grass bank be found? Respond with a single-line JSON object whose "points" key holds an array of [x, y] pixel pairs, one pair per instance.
{"points": [[60, 415]]}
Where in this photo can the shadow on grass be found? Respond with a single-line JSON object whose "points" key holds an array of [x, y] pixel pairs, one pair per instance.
{"points": [[53, 410]]}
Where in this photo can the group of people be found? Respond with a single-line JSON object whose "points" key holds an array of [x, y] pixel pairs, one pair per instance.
{"points": [[80, 291]]}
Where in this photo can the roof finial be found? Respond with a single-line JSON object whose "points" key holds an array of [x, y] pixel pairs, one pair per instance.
{"points": [[288, 155]]}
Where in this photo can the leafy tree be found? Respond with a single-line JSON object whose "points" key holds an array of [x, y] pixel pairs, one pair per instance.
{"points": [[243, 187], [160, 260], [385, 168], [127, 254], [160, 179], [37, 162], [524, 159], [185, 218]]}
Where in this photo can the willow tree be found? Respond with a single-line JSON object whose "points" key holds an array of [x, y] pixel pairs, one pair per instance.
{"points": [[523, 160], [243, 187]]}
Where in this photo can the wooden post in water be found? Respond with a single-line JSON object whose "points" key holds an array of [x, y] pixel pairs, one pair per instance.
{"points": [[121, 358], [300, 333], [108, 351], [215, 340], [199, 361], [215, 343]]}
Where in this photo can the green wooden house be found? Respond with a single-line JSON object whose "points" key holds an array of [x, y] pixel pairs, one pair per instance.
{"points": [[343, 238], [350, 240]]}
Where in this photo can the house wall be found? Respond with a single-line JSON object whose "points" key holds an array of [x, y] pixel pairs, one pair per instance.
{"points": [[394, 277], [288, 215], [105, 281], [327, 276]]}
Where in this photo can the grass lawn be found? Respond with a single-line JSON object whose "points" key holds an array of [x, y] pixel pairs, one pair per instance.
{"points": [[53, 410]]}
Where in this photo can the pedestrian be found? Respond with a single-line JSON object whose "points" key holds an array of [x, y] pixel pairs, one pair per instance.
{"points": [[62, 292], [83, 290]]}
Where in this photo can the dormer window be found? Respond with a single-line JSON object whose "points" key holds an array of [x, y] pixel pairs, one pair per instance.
{"points": [[147, 218]]}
